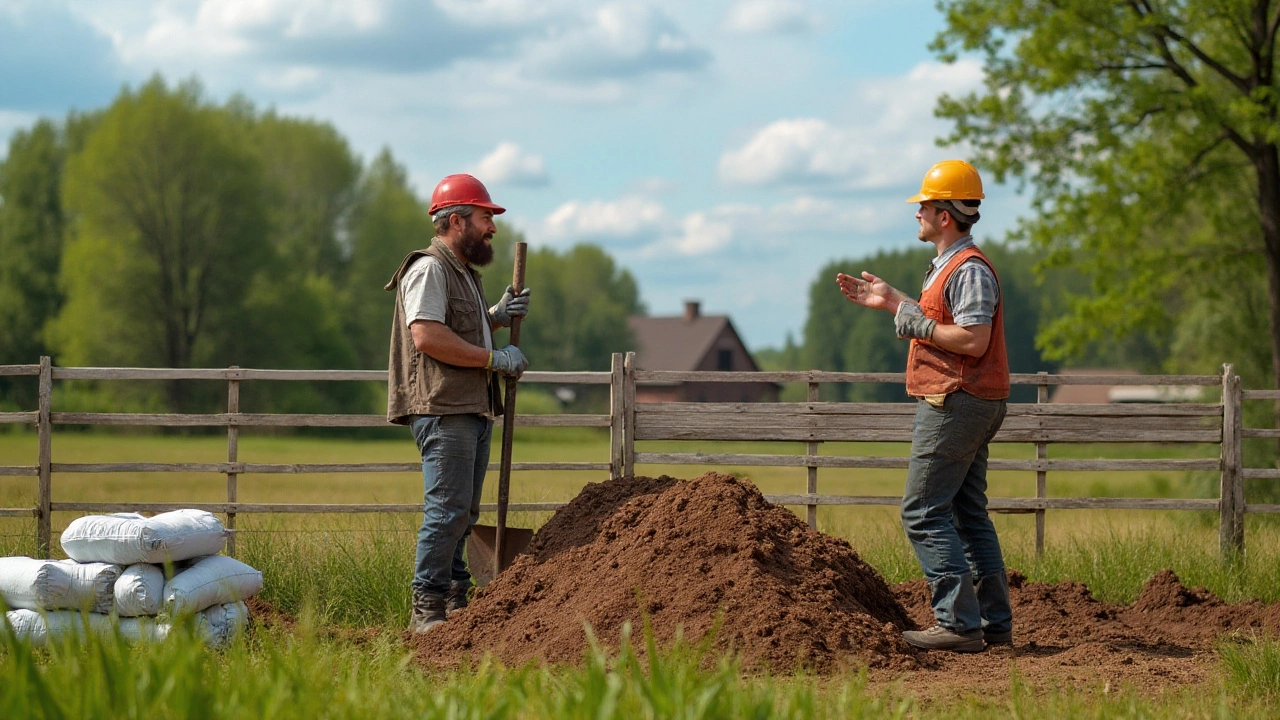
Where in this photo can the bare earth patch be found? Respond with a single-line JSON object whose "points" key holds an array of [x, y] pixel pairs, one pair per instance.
{"points": [[694, 553]]}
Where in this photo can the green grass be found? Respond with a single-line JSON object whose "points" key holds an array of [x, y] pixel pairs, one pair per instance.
{"points": [[354, 571]]}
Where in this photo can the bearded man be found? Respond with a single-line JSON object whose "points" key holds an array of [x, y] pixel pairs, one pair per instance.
{"points": [[443, 383]]}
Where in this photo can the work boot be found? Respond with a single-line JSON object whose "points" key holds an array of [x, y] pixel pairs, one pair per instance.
{"points": [[998, 638], [940, 638], [457, 598], [428, 612]]}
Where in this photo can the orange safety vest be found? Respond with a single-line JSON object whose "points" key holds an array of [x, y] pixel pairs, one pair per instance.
{"points": [[934, 371]]}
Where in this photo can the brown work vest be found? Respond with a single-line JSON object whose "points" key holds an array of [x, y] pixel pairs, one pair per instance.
{"points": [[418, 384], [934, 371]]}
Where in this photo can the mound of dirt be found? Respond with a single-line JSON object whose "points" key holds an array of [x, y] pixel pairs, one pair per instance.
{"points": [[684, 554]]}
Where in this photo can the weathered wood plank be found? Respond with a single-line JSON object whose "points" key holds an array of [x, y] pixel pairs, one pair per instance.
{"points": [[600, 421], [786, 420], [668, 376], [1260, 474], [20, 471], [18, 370], [1028, 435], [19, 417], [1124, 410], [285, 469], [44, 429], [1157, 380], [1262, 394], [1262, 508], [898, 463], [244, 508], [1016, 504], [562, 378], [19, 512], [294, 420], [1260, 433]]}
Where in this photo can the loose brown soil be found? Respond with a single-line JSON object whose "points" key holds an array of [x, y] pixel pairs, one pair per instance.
{"points": [[692, 556]]}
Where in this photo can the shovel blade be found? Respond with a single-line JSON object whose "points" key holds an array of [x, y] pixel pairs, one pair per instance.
{"points": [[480, 547]]}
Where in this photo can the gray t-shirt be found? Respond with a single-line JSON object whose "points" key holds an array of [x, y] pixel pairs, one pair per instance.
{"points": [[425, 296]]}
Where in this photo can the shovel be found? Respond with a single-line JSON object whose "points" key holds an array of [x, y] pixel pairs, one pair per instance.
{"points": [[491, 549]]}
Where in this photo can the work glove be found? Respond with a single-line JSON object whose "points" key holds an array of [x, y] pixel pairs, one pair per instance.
{"points": [[508, 361], [512, 305], [910, 322]]}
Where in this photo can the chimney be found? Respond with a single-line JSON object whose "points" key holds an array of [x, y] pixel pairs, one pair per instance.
{"points": [[690, 310]]}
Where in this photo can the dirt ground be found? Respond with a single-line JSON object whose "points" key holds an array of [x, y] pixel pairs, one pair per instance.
{"points": [[712, 554]]}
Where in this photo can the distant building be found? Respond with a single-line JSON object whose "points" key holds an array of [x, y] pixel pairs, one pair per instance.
{"points": [[694, 341], [1102, 394]]}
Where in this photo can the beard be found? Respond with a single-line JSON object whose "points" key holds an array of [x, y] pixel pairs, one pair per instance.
{"points": [[475, 250]]}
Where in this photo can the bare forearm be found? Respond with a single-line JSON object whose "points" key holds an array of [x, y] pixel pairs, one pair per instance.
{"points": [[443, 344], [972, 340]]}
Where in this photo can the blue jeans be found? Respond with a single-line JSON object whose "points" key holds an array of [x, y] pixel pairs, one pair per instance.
{"points": [[455, 455], [944, 512]]}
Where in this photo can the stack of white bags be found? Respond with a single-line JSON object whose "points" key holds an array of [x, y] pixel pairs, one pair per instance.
{"points": [[116, 579]]}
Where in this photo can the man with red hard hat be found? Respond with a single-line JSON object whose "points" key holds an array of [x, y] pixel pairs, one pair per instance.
{"points": [[443, 383], [958, 370]]}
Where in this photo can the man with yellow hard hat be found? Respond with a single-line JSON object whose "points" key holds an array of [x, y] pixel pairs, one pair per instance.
{"points": [[958, 370]]}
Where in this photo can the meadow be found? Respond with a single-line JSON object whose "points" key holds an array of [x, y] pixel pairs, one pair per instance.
{"points": [[344, 578]]}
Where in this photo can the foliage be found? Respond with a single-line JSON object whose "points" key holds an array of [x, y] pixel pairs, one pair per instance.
{"points": [[1149, 133], [168, 230], [843, 337]]}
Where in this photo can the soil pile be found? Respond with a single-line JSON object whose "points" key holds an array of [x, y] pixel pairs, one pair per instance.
{"points": [[1168, 636], [683, 553]]}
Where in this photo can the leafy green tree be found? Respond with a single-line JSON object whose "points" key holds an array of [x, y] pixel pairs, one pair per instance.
{"points": [[387, 222], [1149, 131], [168, 231]]}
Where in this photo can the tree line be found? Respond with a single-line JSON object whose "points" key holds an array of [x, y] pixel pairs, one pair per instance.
{"points": [[167, 230]]}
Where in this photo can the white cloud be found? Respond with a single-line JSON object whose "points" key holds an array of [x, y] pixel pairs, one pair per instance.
{"points": [[886, 142], [508, 163], [628, 218], [619, 40], [758, 17]]}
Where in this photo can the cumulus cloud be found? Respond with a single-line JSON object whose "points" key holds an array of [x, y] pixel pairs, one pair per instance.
{"points": [[510, 164], [760, 17], [619, 40], [883, 144], [628, 218]]}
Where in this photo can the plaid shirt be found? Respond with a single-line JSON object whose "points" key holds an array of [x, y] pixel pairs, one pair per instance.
{"points": [[972, 293]]}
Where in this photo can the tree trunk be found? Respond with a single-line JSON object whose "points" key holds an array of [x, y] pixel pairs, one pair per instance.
{"points": [[1268, 166]]}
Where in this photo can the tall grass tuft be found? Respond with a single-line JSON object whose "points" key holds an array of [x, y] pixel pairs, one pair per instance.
{"points": [[357, 577], [1253, 668]]}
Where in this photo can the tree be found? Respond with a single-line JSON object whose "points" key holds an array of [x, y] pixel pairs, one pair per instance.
{"points": [[1149, 132], [168, 232]]}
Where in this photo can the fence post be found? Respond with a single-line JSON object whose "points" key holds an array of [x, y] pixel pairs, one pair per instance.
{"points": [[1042, 476], [44, 422], [617, 408], [233, 455], [811, 449], [1231, 488], [629, 416]]}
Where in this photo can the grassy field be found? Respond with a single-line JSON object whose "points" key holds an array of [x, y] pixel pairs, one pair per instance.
{"points": [[354, 571]]}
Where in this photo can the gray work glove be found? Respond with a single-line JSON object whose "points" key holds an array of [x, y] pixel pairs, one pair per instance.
{"points": [[511, 305], [508, 361], [910, 322]]}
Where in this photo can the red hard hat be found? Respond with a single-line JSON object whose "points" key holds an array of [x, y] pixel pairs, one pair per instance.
{"points": [[462, 189]]}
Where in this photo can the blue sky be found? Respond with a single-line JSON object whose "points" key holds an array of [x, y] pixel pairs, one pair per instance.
{"points": [[720, 150]]}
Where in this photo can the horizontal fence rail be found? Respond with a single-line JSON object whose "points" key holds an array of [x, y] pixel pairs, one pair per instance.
{"points": [[631, 420]]}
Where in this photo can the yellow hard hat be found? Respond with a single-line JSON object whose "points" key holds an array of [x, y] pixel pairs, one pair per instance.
{"points": [[950, 180]]}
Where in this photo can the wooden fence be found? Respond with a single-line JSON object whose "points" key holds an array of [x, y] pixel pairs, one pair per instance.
{"points": [[631, 423]]}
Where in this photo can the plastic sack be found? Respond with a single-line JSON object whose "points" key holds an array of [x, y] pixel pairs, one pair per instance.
{"points": [[39, 629], [57, 584], [139, 591], [214, 580], [220, 624], [129, 538]]}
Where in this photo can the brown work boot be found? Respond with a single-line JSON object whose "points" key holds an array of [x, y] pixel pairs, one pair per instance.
{"points": [[940, 638], [428, 612], [457, 598]]}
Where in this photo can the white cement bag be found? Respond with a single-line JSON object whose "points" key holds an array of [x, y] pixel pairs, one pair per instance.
{"points": [[214, 580], [57, 584], [129, 538], [220, 624], [39, 629], [140, 590]]}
